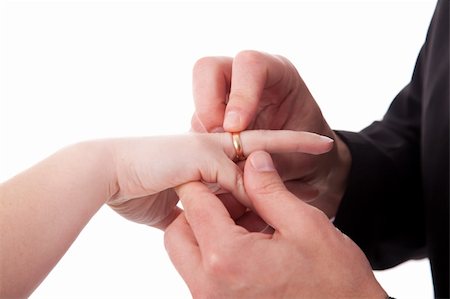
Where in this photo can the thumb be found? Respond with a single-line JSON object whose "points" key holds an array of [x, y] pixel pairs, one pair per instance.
{"points": [[269, 197]]}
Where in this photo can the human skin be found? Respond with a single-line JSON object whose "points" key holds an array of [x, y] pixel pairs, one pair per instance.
{"points": [[43, 209], [305, 257], [256, 90]]}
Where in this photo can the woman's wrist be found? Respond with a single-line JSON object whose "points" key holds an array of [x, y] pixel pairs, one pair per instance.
{"points": [[100, 156]]}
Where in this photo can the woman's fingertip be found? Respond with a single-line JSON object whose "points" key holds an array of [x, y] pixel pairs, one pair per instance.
{"points": [[325, 139]]}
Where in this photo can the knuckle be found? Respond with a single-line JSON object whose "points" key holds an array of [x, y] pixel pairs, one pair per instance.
{"points": [[204, 64], [216, 264], [319, 214], [223, 262], [241, 94], [249, 57], [224, 139], [318, 217], [272, 188]]}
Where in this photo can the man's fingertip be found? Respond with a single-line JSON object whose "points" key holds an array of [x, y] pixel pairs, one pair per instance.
{"points": [[217, 130], [262, 162], [232, 122]]}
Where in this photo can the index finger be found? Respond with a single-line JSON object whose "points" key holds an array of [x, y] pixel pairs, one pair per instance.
{"points": [[252, 73], [278, 141], [206, 214]]}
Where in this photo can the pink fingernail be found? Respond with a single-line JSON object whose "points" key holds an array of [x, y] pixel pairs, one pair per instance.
{"points": [[326, 139], [262, 162], [217, 130]]}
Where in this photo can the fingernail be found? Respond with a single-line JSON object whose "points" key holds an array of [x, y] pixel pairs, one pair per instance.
{"points": [[326, 139], [217, 130], [262, 162], [232, 120]]}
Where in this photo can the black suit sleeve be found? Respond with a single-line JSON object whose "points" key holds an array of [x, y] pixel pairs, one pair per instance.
{"points": [[384, 209]]}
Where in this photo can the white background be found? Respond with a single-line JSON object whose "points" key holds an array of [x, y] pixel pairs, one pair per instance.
{"points": [[76, 70]]}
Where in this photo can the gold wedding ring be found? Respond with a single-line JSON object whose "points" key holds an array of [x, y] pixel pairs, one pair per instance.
{"points": [[237, 144]]}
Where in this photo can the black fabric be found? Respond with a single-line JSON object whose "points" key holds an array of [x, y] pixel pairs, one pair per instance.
{"points": [[396, 206]]}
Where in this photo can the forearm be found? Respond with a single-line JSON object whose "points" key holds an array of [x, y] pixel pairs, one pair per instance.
{"points": [[43, 209]]}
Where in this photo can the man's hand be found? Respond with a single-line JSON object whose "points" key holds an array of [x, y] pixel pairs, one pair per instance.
{"points": [[305, 257], [261, 91]]}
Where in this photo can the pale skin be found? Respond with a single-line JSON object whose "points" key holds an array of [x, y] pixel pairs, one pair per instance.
{"points": [[257, 90], [43, 209]]}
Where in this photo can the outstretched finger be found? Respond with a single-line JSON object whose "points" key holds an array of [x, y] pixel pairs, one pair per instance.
{"points": [[277, 141]]}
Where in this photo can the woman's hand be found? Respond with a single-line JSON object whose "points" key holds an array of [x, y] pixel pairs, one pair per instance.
{"points": [[147, 168], [43, 209]]}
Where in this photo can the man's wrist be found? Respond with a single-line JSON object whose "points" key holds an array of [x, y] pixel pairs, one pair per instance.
{"points": [[338, 177]]}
